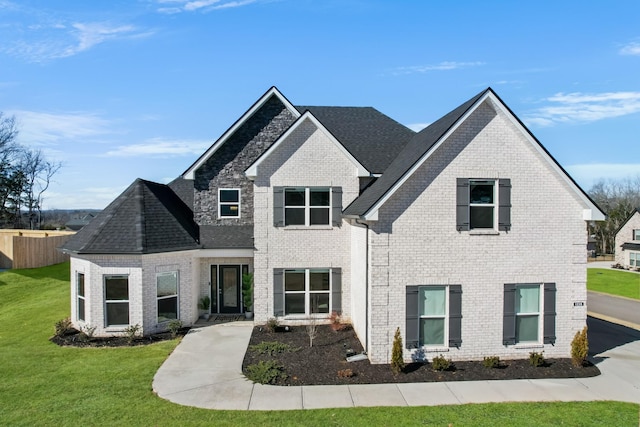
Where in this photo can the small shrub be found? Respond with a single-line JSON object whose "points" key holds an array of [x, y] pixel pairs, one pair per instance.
{"points": [[346, 373], [491, 362], [440, 363], [204, 303], [269, 372], [174, 326], [272, 324], [397, 360], [272, 348], [89, 331], [131, 332], [312, 330], [336, 322], [63, 326], [580, 348], [536, 359]]}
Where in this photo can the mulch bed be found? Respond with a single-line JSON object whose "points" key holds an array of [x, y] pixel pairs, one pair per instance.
{"points": [[320, 364], [75, 338]]}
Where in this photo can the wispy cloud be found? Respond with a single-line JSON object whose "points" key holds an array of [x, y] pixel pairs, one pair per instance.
{"points": [[632, 48], [177, 6], [442, 66], [161, 147], [82, 198], [45, 42], [40, 128], [583, 107]]}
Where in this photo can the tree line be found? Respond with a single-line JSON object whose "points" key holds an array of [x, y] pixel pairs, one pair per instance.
{"points": [[618, 199], [25, 175]]}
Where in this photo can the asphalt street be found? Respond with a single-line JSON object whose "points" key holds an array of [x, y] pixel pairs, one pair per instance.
{"points": [[623, 309]]}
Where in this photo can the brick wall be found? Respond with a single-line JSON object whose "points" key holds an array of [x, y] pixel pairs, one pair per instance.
{"points": [[415, 242], [625, 235]]}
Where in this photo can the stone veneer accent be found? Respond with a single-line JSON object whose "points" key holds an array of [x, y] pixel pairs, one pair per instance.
{"points": [[225, 169]]}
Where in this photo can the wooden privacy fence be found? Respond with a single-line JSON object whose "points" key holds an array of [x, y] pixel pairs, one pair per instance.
{"points": [[31, 248]]}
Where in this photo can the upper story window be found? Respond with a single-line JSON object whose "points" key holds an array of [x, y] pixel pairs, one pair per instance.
{"points": [[228, 203], [636, 234], [483, 204], [307, 206]]}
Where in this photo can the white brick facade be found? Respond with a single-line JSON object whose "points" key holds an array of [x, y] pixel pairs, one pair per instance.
{"points": [[625, 235]]}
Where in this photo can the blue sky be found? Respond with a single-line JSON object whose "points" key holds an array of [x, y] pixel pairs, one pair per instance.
{"points": [[122, 89]]}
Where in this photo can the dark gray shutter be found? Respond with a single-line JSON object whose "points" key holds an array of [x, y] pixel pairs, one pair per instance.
{"points": [[462, 204], [549, 326], [278, 292], [336, 206], [504, 204], [278, 206], [412, 318], [455, 315], [336, 290], [509, 315]]}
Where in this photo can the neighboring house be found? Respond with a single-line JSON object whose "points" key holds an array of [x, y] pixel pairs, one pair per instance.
{"points": [[468, 235], [628, 242], [76, 224]]}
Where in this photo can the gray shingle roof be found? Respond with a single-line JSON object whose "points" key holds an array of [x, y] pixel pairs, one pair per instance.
{"points": [[226, 236], [146, 218], [373, 138], [411, 153]]}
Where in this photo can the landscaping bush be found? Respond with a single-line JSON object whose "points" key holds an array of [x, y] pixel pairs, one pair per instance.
{"points": [[336, 322], [272, 348], [346, 373], [536, 359], [580, 348], [272, 324], [174, 326], [491, 362], [131, 332], [269, 372], [397, 361], [63, 327], [440, 363]]}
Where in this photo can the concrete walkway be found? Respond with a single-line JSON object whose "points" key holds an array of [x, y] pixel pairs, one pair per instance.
{"points": [[205, 371]]}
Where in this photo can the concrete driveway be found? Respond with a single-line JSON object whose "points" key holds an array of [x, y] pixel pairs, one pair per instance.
{"points": [[205, 371]]}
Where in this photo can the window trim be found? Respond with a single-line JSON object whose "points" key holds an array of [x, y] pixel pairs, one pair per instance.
{"points": [[106, 301], [308, 207], [636, 234], [221, 203], [634, 259], [81, 298], [308, 292], [493, 205], [176, 296], [538, 314], [502, 204], [445, 317]]}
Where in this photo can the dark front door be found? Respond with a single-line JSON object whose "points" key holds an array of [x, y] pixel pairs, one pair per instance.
{"points": [[229, 288]]}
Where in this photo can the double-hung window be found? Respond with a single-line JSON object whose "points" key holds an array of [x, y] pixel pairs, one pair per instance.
{"points": [[636, 234], [307, 206], [433, 315], [116, 292], [634, 259], [167, 295], [482, 206], [228, 203], [307, 291], [527, 313], [81, 296]]}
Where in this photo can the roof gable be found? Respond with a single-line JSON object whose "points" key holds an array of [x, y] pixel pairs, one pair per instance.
{"points": [[427, 141], [146, 218], [252, 171], [273, 91]]}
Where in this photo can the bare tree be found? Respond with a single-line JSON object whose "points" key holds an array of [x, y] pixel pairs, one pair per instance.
{"points": [[618, 199], [312, 329], [38, 173]]}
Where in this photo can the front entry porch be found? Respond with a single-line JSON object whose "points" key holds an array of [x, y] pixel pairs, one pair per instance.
{"points": [[226, 288]]}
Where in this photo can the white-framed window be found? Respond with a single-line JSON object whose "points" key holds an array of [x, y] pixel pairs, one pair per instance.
{"points": [[81, 296], [167, 295], [307, 291], [433, 312], [228, 203], [116, 300], [482, 204], [634, 259], [636, 234], [527, 308], [307, 206]]}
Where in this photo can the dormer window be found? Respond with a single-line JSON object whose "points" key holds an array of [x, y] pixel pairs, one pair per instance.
{"points": [[228, 203]]}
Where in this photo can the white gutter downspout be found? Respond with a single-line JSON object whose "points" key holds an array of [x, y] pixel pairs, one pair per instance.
{"points": [[366, 286]]}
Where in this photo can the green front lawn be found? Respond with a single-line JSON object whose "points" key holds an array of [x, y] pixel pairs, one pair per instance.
{"points": [[614, 282], [43, 384]]}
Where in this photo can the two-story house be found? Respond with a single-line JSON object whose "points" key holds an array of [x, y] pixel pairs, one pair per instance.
{"points": [[627, 242], [467, 235]]}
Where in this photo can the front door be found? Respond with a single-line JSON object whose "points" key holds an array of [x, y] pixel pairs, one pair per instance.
{"points": [[229, 288]]}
